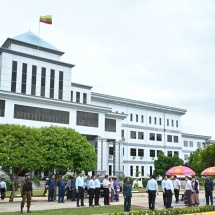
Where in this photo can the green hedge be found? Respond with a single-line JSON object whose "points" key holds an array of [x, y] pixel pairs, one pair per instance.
{"points": [[36, 180], [174, 211]]}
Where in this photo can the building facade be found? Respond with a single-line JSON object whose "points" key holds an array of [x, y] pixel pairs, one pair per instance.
{"points": [[36, 89]]}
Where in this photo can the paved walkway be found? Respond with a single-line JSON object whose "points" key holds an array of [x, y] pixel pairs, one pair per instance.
{"points": [[41, 203]]}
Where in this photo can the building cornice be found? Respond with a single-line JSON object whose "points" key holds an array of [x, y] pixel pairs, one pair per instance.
{"points": [[36, 57], [21, 43], [194, 136], [81, 86], [115, 115], [134, 103]]}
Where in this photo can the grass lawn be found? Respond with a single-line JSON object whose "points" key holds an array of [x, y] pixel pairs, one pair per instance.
{"points": [[82, 211]]}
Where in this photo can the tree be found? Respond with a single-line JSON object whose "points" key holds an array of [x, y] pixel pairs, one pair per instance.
{"points": [[164, 163], [64, 149], [19, 151]]}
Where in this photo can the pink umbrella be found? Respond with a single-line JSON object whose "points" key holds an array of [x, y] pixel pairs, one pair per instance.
{"points": [[180, 170], [209, 171]]}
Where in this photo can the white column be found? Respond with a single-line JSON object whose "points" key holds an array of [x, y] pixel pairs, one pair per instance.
{"points": [[118, 158]]}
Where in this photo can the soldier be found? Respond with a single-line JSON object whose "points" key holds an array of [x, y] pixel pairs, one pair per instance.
{"points": [[26, 192], [61, 189]]}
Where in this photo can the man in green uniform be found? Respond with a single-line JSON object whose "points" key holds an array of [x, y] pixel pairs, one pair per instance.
{"points": [[26, 193]]}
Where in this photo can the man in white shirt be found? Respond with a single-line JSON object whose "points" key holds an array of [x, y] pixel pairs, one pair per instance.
{"points": [[177, 186], [3, 189], [97, 190], [80, 189], [106, 184], [169, 192], [91, 190], [163, 185], [188, 190]]}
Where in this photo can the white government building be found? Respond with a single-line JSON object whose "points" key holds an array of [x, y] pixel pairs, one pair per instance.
{"points": [[36, 89]]}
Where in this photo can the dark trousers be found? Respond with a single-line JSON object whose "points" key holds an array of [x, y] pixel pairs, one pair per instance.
{"points": [[164, 197], [3, 193], [176, 195], [189, 199], [80, 195], [209, 195], [51, 195], [152, 196], [97, 192], [127, 203], [91, 196], [61, 193], [106, 196], [73, 194], [168, 198]]}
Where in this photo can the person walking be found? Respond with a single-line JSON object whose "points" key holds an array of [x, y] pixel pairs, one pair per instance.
{"points": [[26, 193], [209, 187], [73, 188], [151, 189], [97, 190], [106, 185], [177, 187], [163, 185], [195, 191], [61, 189], [127, 194], [169, 192], [3, 187], [80, 189], [51, 188], [188, 190], [91, 190], [116, 186]]}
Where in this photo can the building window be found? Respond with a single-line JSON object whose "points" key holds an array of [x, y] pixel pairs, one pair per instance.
{"points": [[14, 76], [24, 78], [177, 123], [133, 134], [151, 172], [140, 152], [176, 153], [137, 171], [71, 96], [136, 117], [110, 125], [110, 150], [160, 122], [142, 119], [84, 98], [169, 138], [158, 151], [140, 135], [185, 156], [150, 120], [60, 93], [175, 139], [172, 123], [203, 145], [33, 80], [40, 114], [52, 77], [78, 97], [185, 143], [152, 153], [122, 133], [159, 137], [131, 170], [169, 153], [43, 82], [123, 151], [167, 122], [2, 108], [155, 120], [131, 117], [133, 152], [87, 119], [142, 170], [190, 143], [110, 169], [198, 145], [152, 136]]}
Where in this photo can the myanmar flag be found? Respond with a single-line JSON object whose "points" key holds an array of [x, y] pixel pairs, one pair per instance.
{"points": [[46, 19]]}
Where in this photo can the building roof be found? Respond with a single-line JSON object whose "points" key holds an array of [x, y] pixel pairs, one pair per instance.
{"points": [[81, 86], [196, 136]]}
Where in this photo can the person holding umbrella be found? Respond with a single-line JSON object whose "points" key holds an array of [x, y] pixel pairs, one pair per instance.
{"points": [[209, 186]]}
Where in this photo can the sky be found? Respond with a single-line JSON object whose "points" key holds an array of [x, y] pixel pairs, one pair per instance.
{"points": [[149, 50]]}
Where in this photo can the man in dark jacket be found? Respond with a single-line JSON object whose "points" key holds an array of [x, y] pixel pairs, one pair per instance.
{"points": [[73, 188], [209, 186], [51, 187], [127, 188], [61, 189]]}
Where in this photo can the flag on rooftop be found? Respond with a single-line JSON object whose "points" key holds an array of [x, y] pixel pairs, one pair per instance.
{"points": [[46, 19]]}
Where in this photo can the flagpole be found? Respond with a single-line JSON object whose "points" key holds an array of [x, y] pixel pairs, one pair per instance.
{"points": [[38, 38]]}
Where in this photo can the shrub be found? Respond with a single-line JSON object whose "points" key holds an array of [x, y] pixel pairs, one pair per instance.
{"points": [[144, 182], [36, 180], [8, 184]]}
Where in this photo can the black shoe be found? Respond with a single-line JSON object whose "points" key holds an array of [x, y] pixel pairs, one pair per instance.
{"points": [[108, 204], [62, 201], [83, 205], [78, 206], [58, 202]]}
